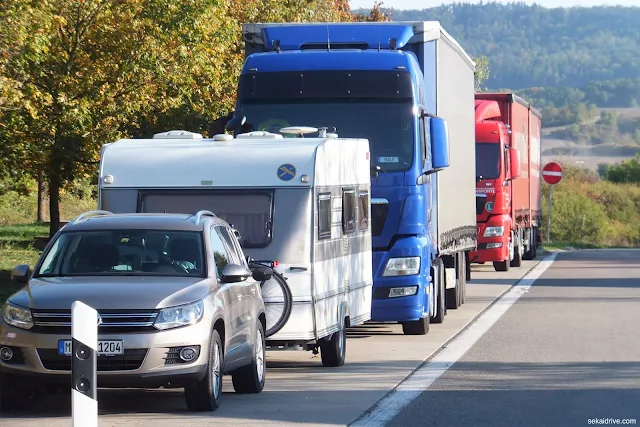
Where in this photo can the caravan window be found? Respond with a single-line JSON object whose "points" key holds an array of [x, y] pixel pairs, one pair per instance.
{"points": [[363, 211], [324, 216], [249, 211], [348, 211]]}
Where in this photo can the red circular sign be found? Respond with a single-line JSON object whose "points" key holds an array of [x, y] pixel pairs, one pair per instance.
{"points": [[552, 173]]}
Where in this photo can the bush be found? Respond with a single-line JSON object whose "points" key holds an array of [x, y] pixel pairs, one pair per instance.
{"points": [[589, 211]]}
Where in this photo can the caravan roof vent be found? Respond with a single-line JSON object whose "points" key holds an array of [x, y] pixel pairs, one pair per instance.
{"points": [[223, 137], [177, 134], [298, 130], [258, 134]]}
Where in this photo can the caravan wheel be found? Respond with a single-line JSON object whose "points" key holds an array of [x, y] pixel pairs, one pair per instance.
{"points": [[334, 351]]}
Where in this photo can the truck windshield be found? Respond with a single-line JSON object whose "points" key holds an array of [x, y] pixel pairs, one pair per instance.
{"points": [[125, 252], [387, 125], [487, 160]]}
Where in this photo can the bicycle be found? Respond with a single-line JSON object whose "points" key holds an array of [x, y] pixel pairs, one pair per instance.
{"points": [[278, 300]]}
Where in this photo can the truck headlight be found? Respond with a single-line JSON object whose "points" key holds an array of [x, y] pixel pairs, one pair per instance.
{"points": [[494, 231], [406, 266], [17, 316], [181, 315]]}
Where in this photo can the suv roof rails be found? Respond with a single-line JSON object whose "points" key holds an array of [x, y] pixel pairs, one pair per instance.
{"points": [[90, 214], [202, 213]]}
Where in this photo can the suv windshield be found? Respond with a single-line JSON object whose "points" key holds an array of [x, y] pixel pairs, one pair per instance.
{"points": [[389, 126], [125, 252]]}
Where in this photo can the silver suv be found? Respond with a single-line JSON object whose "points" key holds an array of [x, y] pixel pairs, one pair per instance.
{"points": [[178, 303]]}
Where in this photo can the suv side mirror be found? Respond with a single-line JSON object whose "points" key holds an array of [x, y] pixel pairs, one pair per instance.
{"points": [[439, 134], [20, 273], [262, 274], [234, 273], [514, 163], [236, 122]]}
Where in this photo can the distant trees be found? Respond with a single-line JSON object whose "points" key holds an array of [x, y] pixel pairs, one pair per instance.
{"points": [[530, 45]]}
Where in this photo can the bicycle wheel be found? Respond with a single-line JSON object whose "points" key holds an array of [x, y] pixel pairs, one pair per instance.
{"points": [[278, 303]]}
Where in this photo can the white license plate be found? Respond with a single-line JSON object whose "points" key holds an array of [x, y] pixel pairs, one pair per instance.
{"points": [[105, 348]]}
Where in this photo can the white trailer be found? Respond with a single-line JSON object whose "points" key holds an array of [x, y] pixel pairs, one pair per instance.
{"points": [[304, 202]]}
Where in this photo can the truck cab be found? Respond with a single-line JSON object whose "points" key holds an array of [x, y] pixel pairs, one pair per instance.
{"points": [[497, 165]]}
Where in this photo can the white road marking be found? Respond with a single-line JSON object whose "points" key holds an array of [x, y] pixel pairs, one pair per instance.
{"points": [[425, 375]]}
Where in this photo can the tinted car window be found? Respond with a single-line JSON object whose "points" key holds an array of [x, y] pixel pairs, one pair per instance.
{"points": [[131, 252], [221, 255]]}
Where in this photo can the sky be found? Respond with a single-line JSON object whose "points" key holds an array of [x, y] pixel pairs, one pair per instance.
{"points": [[423, 4]]}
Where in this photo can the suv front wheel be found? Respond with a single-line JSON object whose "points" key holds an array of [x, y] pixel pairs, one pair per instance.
{"points": [[250, 379], [205, 394]]}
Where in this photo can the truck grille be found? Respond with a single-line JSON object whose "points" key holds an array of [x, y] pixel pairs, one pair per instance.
{"points": [[379, 211], [480, 202], [129, 361], [113, 321]]}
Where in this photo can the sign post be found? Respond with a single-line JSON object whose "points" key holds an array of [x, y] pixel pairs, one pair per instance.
{"points": [[84, 345], [552, 174]]}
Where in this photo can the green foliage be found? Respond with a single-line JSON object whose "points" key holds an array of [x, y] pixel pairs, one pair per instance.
{"points": [[589, 211], [482, 73], [627, 171], [530, 45], [617, 93], [608, 129]]}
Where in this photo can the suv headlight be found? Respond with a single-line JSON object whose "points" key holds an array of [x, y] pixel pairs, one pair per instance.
{"points": [[17, 316], [494, 231], [182, 315], [406, 266]]}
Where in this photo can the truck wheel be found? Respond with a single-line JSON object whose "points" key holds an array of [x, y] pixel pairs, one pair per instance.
{"points": [[462, 283], [250, 379], [417, 327], [454, 295], [517, 256], [531, 251], [334, 351], [501, 265], [438, 271], [205, 394]]}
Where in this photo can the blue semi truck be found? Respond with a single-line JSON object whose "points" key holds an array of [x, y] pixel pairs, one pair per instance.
{"points": [[408, 87]]}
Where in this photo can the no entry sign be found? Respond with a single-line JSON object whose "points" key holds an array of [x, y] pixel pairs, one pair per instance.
{"points": [[552, 173]]}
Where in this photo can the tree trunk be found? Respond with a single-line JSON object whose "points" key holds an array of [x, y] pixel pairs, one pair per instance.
{"points": [[42, 197], [54, 203]]}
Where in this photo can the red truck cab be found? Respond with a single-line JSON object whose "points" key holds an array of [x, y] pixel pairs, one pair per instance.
{"points": [[507, 180]]}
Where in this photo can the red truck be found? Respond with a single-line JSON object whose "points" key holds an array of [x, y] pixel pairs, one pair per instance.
{"points": [[507, 180]]}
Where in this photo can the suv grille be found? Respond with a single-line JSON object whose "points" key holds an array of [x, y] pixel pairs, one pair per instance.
{"points": [[129, 361], [378, 216], [113, 321], [480, 202]]}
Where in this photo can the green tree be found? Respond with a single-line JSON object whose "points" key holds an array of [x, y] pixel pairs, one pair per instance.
{"points": [[86, 68], [482, 73]]}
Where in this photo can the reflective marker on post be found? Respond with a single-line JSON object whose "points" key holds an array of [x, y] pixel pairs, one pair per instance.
{"points": [[84, 335]]}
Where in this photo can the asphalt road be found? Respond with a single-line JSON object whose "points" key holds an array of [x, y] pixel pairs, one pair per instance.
{"points": [[565, 353], [299, 391]]}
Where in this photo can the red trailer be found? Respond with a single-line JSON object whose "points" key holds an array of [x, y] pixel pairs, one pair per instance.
{"points": [[507, 180]]}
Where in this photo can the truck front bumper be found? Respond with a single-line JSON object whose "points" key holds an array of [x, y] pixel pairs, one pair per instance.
{"points": [[493, 249]]}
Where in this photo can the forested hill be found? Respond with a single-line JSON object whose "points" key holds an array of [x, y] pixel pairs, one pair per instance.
{"points": [[535, 46]]}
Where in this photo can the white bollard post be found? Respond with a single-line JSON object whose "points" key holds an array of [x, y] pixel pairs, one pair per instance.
{"points": [[84, 358]]}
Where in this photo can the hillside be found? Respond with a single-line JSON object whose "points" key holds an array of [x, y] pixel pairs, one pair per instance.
{"points": [[532, 46]]}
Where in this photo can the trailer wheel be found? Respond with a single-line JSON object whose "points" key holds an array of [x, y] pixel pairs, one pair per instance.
{"points": [[438, 271], [467, 265], [531, 251], [334, 351], [517, 254]]}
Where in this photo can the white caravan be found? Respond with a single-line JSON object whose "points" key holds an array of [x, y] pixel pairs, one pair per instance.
{"points": [[303, 202]]}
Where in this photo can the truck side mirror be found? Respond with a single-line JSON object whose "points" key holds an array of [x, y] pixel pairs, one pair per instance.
{"points": [[514, 163], [439, 143]]}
